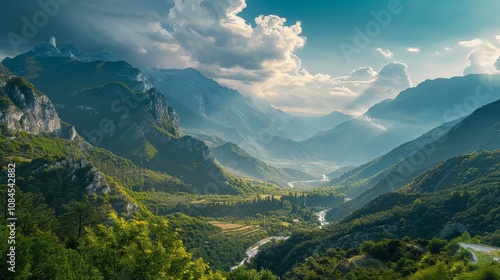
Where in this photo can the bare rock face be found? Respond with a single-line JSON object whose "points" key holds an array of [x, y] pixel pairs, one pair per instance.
{"points": [[23, 108], [93, 182]]}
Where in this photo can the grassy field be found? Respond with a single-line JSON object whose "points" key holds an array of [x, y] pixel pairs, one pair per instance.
{"points": [[237, 229]]}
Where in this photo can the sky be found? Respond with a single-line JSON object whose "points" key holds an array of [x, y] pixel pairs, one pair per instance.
{"points": [[305, 57]]}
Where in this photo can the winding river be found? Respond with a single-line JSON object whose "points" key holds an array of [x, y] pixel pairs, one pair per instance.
{"points": [[292, 184], [322, 218], [252, 251]]}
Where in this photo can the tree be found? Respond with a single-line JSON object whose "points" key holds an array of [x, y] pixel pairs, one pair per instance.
{"points": [[42, 256], [242, 273], [139, 249], [436, 245], [78, 215], [33, 214], [437, 272]]}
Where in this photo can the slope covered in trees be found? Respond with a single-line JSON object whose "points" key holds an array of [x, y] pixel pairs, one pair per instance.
{"points": [[466, 203]]}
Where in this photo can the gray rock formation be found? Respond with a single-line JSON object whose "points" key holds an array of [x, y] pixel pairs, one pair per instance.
{"points": [[23, 108]]}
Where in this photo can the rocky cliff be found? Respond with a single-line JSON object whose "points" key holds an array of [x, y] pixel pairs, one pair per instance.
{"points": [[91, 180], [23, 107]]}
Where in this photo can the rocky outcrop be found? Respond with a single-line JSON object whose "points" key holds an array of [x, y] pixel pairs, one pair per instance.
{"points": [[192, 145], [68, 170], [159, 109], [23, 108], [93, 182]]}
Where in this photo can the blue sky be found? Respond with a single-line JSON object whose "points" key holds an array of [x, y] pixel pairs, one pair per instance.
{"points": [[305, 57], [430, 26]]}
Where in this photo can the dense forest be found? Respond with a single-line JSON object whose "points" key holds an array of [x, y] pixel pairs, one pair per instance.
{"points": [[470, 204]]}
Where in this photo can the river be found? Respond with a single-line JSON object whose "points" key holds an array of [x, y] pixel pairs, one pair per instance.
{"points": [[322, 218], [292, 184], [252, 251], [489, 250]]}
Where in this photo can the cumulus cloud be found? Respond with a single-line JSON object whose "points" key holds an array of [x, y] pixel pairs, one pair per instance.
{"points": [[394, 74], [471, 44], [475, 65], [352, 94], [497, 64], [386, 53], [214, 37], [413, 50], [483, 57], [362, 74]]}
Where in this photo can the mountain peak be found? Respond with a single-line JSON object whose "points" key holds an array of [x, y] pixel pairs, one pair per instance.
{"points": [[51, 49], [52, 41]]}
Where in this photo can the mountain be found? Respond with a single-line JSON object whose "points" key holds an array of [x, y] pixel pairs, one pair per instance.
{"points": [[293, 123], [112, 105], [32, 122], [413, 112], [365, 175], [465, 184], [52, 49], [210, 110], [457, 196], [233, 157], [326, 122], [24, 108], [477, 132]]}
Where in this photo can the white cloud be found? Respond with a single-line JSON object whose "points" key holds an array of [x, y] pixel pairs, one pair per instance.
{"points": [[212, 35], [142, 50], [363, 74], [483, 57], [386, 53], [374, 124], [413, 50], [475, 65], [445, 50], [471, 44], [352, 94], [497, 37]]}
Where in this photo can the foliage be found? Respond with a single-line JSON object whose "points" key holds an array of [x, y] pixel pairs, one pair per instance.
{"points": [[140, 249], [392, 259], [473, 205], [242, 273], [42, 257]]}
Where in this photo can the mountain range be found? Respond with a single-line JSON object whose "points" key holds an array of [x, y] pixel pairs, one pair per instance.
{"points": [[209, 111], [414, 111], [478, 132]]}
